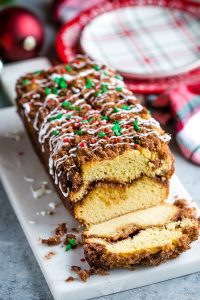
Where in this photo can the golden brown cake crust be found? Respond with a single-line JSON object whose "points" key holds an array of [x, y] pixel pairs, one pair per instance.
{"points": [[82, 113], [98, 257]]}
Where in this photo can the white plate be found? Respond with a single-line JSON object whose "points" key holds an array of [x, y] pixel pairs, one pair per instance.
{"points": [[13, 167], [144, 41]]}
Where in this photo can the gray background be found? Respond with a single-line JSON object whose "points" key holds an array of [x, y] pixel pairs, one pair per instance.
{"points": [[20, 276]]}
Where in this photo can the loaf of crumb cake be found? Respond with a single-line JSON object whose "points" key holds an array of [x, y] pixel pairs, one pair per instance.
{"points": [[147, 237], [104, 152]]}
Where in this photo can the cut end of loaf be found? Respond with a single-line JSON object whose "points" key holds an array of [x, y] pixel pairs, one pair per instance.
{"points": [[124, 169], [147, 237], [107, 201]]}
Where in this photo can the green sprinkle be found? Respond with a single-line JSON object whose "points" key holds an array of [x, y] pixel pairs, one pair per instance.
{"points": [[55, 132], [25, 81], [96, 68], [90, 119], [72, 242], [68, 68], [69, 116], [37, 72], [104, 118], [115, 109], [117, 76], [104, 87], [116, 127], [55, 90], [66, 104], [59, 116], [77, 108], [57, 80], [62, 83], [105, 73], [126, 107], [84, 121], [117, 133], [68, 247], [79, 132], [102, 134], [89, 83], [118, 88], [98, 93], [47, 91], [136, 126]]}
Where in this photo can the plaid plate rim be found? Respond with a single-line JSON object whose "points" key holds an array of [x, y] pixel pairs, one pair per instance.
{"points": [[144, 51]]}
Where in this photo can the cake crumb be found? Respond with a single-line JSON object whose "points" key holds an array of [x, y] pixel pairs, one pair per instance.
{"points": [[49, 255], [82, 259], [61, 229], [101, 272], [75, 230], [52, 241], [70, 279], [82, 273], [85, 274], [69, 236]]}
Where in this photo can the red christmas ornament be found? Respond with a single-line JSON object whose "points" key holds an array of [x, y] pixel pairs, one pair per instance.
{"points": [[21, 34]]}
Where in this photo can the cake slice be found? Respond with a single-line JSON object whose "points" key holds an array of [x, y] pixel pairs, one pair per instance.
{"points": [[104, 152], [147, 237]]}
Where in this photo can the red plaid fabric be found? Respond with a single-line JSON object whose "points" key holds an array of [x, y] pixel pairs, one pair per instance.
{"points": [[144, 40], [184, 105]]}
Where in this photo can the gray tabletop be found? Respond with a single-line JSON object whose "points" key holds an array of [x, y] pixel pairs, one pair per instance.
{"points": [[20, 275]]}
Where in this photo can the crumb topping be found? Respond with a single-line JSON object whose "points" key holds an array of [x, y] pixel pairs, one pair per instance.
{"points": [[82, 112]]}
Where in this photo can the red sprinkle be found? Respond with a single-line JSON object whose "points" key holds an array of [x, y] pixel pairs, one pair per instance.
{"points": [[92, 140], [77, 61], [82, 259], [70, 279], [128, 126], [82, 144], [136, 146], [66, 140], [50, 101], [107, 130]]}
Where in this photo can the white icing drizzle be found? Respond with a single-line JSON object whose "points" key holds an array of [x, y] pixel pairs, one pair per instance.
{"points": [[69, 77], [56, 142]]}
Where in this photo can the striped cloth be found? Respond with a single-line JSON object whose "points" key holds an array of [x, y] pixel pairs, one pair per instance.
{"points": [[183, 105]]}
